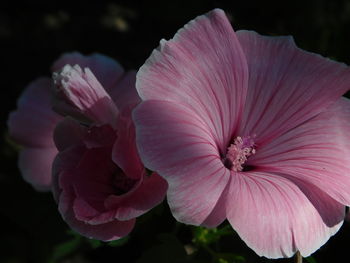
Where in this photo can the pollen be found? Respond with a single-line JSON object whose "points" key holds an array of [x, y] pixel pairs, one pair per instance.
{"points": [[238, 153]]}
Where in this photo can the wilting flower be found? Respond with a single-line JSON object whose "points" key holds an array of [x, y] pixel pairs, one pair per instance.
{"points": [[33, 123], [249, 128], [99, 182]]}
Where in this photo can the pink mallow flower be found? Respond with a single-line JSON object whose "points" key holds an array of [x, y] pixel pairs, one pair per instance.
{"points": [[99, 182], [249, 128], [33, 123]]}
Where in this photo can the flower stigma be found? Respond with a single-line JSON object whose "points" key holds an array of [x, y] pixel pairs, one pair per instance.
{"points": [[238, 153]]}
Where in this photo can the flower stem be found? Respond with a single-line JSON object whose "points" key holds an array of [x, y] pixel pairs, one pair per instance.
{"points": [[298, 258]]}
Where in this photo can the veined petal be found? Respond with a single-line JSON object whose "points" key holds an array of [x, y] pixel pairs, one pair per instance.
{"points": [[32, 124], [277, 217], [287, 85], [173, 141], [317, 152], [202, 67], [80, 89], [107, 70]]}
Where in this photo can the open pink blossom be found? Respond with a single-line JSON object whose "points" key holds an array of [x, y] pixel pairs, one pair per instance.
{"points": [[99, 182], [33, 123], [249, 128]]}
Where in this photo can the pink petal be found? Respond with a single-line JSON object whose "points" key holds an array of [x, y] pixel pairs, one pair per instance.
{"points": [[107, 232], [65, 196], [83, 211], [316, 152], [150, 193], [276, 217], [62, 168], [32, 124], [218, 214], [203, 68], [125, 94], [80, 89], [107, 71], [287, 85], [35, 165], [124, 152], [82, 181], [92, 177], [173, 141]]}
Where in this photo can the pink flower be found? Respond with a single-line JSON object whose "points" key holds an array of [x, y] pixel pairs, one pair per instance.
{"points": [[33, 123], [249, 128], [99, 182]]}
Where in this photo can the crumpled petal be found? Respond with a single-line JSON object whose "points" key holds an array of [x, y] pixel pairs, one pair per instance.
{"points": [[277, 217], [108, 71], [204, 68], [147, 195], [287, 85], [80, 90], [107, 232]]}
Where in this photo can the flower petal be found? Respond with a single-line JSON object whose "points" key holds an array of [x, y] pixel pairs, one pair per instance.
{"points": [[35, 165], [287, 85], [124, 152], [125, 94], [32, 124], [63, 164], [106, 232], [204, 68], [150, 193], [318, 152], [173, 141], [79, 89], [277, 217], [107, 71]]}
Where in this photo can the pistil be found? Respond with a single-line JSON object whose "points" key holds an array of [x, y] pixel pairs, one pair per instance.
{"points": [[238, 153]]}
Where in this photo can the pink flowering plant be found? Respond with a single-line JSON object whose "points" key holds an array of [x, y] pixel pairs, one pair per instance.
{"points": [[234, 132], [250, 129], [97, 178]]}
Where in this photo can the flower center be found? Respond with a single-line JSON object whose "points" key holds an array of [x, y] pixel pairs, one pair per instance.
{"points": [[238, 153], [121, 183]]}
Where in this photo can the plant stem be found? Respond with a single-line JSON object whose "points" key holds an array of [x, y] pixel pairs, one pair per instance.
{"points": [[298, 258]]}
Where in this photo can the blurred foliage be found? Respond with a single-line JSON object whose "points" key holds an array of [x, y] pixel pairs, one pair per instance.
{"points": [[34, 33]]}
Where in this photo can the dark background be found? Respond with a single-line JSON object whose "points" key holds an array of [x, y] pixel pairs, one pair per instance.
{"points": [[33, 34]]}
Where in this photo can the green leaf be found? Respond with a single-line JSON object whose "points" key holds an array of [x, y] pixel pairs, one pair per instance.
{"points": [[228, 258], [94, 243], [310, 259], [64, 249], [204, 236], [118, 243], [171, 250]]}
